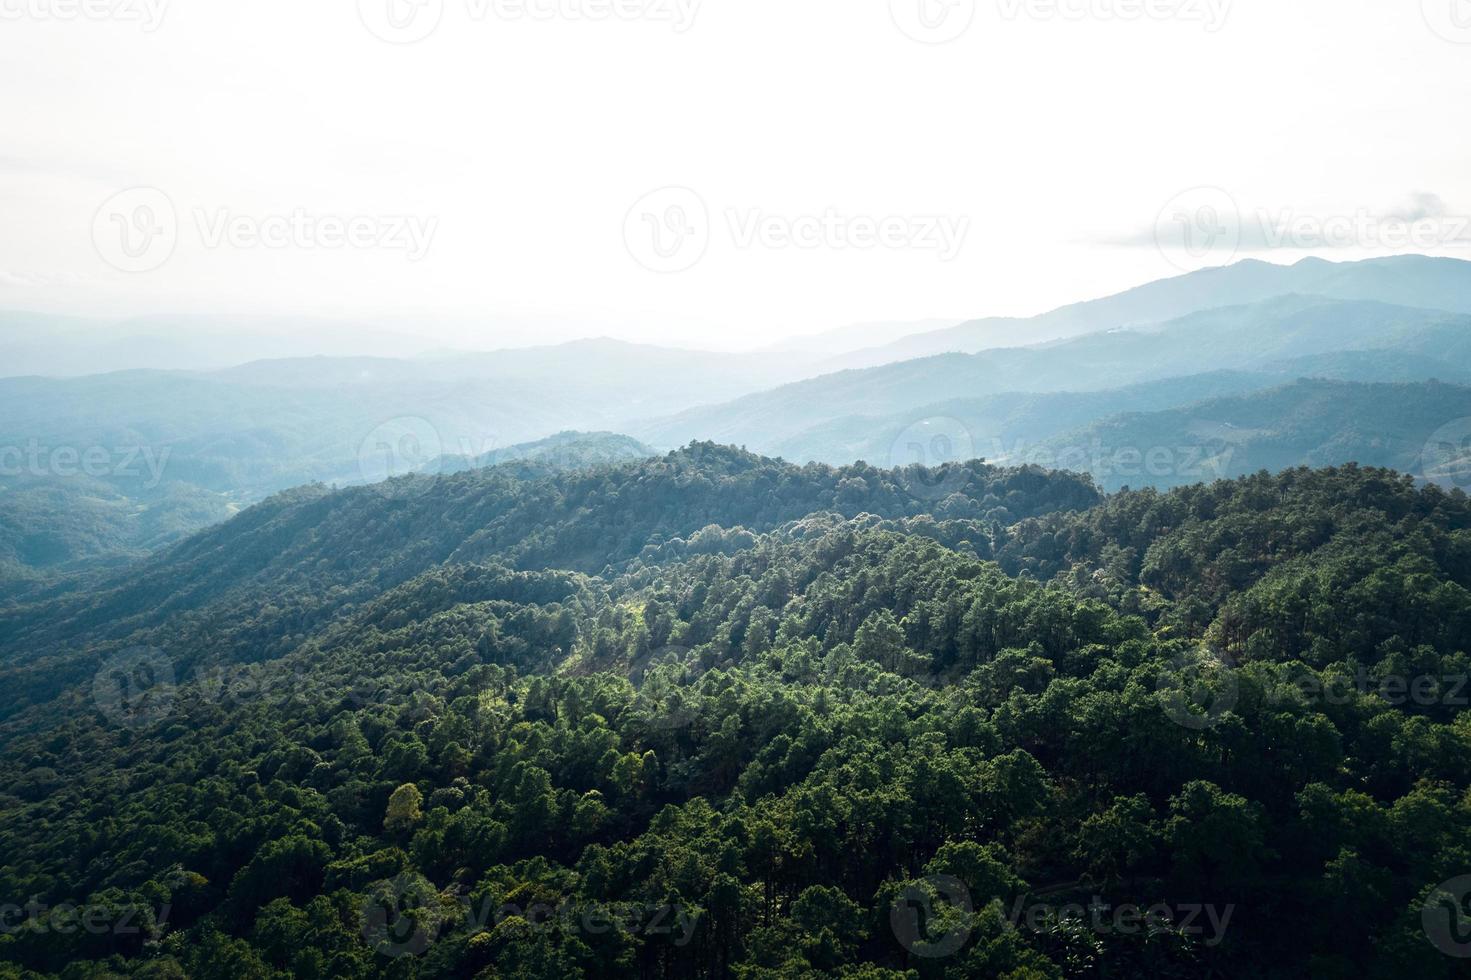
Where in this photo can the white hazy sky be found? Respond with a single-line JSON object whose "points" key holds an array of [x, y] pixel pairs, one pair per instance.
{"points": [[1054, 135]]}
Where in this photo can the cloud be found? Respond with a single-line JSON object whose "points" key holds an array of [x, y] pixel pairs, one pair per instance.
{"points": [[1423, 206], [1212, 218]]}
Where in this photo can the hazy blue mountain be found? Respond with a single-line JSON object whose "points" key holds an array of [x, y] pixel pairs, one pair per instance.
{"points": [[657, 373], [1406, 280], [999, 425], [71, 346], [269, 425], [1175, 432], [1286, 337], [108, 466], [1421, 428], [561, 452], [169, 451], [51, 527], [58, 346]]}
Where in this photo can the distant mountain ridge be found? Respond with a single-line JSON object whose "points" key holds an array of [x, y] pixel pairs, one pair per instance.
{"points": [[559, 453], [1419, 428], [268, 425], [1406, 280], [225, 438], [1366, 341]]}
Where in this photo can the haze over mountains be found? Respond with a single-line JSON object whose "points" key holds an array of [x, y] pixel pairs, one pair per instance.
{"points": [[544, 612], [1408, 280], [1265, 342], [53, 345], [103, 466], [666, 490], [72, 346], [58, 346]]}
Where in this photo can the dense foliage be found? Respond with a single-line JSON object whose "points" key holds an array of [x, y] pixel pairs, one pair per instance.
{"points": [[49, 528], [60, 525], [713, 715]]}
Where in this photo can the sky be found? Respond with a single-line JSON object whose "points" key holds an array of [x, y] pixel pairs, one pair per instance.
{"points": [[713, 173]]}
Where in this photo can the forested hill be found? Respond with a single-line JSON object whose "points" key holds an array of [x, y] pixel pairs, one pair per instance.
{"points": [[777, 721], [253, 587]]}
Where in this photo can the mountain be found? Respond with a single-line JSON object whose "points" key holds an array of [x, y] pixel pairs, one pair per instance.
{"points": [[1317, 423], [356, 543], [52, 526], [1406, 280], [100, 468], [561, 452], [714, 715], [269, 425], [260, 427], [58, 346], [599, 362], [997, 426], [49, 345], [1287, 336]]}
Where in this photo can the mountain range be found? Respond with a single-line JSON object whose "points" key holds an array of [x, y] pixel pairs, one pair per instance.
{"points": [[826, 712], [1406, 280], [337, 733], [1262, 344], [170, 451]]}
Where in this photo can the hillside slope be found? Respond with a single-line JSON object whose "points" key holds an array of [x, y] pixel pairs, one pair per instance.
{"points": [[764, 751], [248, 588]]}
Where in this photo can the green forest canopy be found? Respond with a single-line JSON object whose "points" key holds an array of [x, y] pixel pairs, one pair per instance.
{"points": [[715, 715]]}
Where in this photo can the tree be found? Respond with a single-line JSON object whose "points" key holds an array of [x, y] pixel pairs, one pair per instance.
{"points": [[403, 808]]}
